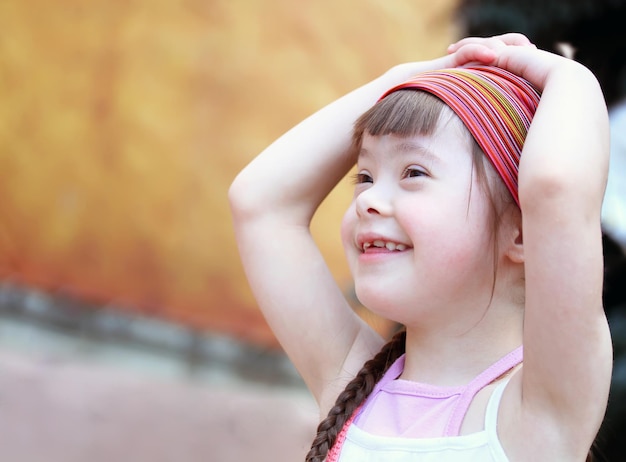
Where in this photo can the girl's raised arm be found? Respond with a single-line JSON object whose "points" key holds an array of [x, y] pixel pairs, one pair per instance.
{"points": [[273, 201], [562, 176]]}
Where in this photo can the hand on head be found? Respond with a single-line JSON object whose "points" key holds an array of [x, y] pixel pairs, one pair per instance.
{"points": [[515, 53], [485, 50]]}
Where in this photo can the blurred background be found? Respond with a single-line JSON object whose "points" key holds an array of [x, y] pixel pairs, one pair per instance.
{"points": [[127, 329]]}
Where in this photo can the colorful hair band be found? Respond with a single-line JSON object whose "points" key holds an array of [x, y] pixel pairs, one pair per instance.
{"points": [[495, 105]]}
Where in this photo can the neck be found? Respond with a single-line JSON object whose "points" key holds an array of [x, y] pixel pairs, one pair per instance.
{"points": [[450, 357]]}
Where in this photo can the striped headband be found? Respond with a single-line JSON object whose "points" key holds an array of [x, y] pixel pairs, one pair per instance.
{"points": [[495, 105]]}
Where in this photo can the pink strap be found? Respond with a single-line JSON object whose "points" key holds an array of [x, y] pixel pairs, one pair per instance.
{"points": [[496, 370]]}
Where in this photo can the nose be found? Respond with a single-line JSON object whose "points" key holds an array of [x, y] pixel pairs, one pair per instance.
{"points": [[375, 200]]}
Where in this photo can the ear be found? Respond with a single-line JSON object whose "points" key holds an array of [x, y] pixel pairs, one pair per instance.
{"points": [[514, 237]]}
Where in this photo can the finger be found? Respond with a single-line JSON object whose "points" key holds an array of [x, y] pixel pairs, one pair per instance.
{"points": [[514, 38], [483, 41], [473, 52], [511, 38]]}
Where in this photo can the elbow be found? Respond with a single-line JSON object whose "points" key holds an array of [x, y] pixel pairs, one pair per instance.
{"points": [[241, 198], [251, 199]]}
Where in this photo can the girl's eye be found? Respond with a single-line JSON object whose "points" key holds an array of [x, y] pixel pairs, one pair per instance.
{"points": [[362, 177], [411, 172]]}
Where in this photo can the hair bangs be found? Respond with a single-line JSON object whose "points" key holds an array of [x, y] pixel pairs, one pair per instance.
{"points": [[403, 113]]}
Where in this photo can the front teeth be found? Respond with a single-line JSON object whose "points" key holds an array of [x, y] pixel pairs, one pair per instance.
{"points": [[380, 244]]}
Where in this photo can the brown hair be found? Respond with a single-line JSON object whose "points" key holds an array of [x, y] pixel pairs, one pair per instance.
{"points": [[354, 394], [403, 113]]}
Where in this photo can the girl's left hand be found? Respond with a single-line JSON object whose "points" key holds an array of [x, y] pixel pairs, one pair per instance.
{"points": [[515, 53], [488, 48], [464, 52]]}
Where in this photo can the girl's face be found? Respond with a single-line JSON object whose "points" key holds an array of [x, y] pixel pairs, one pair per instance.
{"points": [[418, 233]]}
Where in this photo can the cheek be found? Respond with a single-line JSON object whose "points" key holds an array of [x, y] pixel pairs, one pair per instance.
{"points": [[348, 223], [421, 222]]}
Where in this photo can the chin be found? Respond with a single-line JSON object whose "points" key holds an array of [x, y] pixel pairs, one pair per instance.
{"points": [[378, 302]]}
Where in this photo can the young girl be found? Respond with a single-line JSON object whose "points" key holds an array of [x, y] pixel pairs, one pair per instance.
{"points": [[472, 257]]}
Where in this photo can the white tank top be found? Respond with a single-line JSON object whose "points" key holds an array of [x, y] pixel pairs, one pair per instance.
{"points": [[483, 446]]}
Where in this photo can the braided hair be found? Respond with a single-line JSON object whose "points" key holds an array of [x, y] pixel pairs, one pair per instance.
{"points": [[354, 395]]}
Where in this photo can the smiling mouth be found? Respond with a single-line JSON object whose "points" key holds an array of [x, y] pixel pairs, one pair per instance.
{"points": [[380, 244]]}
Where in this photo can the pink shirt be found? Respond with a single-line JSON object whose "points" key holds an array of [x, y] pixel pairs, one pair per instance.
{"points": [[417, 410], [409, 421]]}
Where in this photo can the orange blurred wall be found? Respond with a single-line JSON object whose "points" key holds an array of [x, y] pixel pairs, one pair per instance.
{"points": [[122, 124]]}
